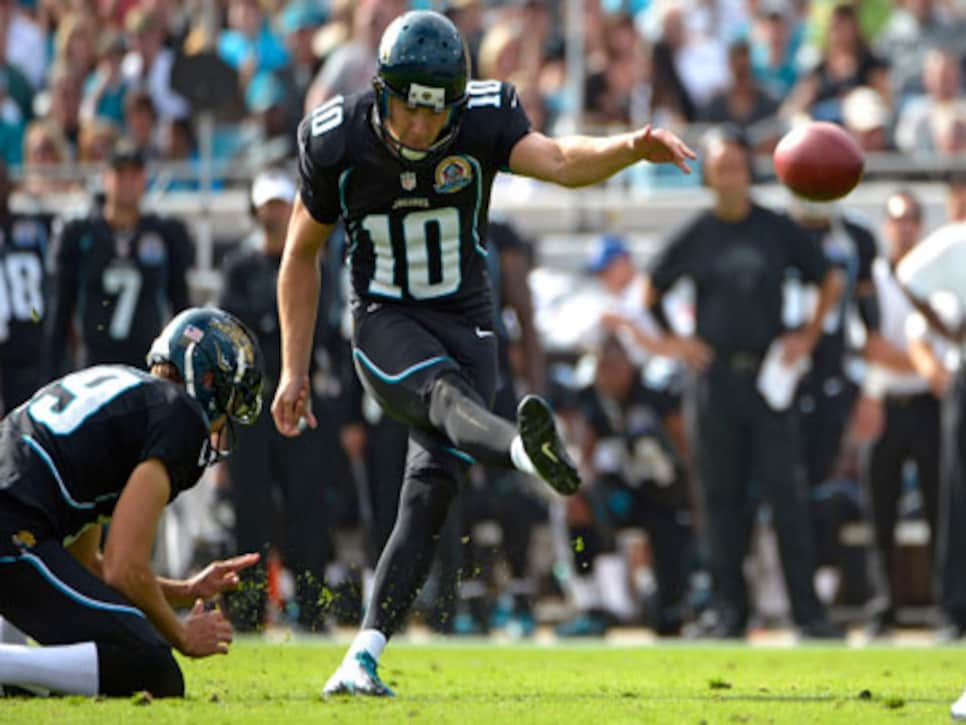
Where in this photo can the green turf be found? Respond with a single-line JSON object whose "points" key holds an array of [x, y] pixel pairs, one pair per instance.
{"points": [[495, 684]]}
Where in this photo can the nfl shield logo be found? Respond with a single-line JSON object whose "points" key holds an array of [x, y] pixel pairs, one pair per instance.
{"points": [[408, 180]]}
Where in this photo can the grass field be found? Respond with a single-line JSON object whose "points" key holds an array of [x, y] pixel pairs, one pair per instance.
{"points": [[495, 684]]}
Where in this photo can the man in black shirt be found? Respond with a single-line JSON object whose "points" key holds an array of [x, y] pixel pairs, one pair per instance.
{"points": [[409, 166], [267, 460], [113, 443], [24, 240], [737, 255], [120, 272]]}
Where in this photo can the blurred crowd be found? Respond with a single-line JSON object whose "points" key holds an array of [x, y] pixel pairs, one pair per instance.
{"points": [[75, 75], [111, 88]]}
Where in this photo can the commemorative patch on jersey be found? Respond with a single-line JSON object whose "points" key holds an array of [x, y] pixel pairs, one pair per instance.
{"points": [[24, 540], [452, 174], [151, 249]]}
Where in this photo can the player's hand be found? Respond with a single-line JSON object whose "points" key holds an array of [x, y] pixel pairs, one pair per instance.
{"points": [[291, 408], [693, 351], [220, 576], [660, 146], [205, 633]]}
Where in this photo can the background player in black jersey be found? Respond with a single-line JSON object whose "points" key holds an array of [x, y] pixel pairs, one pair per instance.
{"points": [[119, 272], [408, 166], [23, 247], [112, 442], [827, 395]]}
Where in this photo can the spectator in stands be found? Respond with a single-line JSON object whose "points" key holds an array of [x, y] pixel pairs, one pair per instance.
{"points": [[950, 132], [739, 435], [500, 49], [670, 96], [141, 122], [64, 93], [22, 43], [774, 43], [620, 92], [467, 16], [147, 66], [249, 44], [867, 116], [299, 22], [922, 118], [97, 138], [846, 62], [266, 137], [634, 445], [105, 88], [45, 158], [265, 461], [745, 103], [75, 44], [910, 405], [352, 65], [915, 27], [12, 124]]}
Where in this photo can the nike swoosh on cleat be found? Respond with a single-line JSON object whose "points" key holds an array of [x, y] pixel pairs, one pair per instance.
{"points": [[547, 450], [484, 333]]}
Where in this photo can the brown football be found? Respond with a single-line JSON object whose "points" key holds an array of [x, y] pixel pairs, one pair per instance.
{"points": [[819, 161]]}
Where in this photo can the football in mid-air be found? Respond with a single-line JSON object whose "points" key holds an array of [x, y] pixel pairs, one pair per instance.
{"points": [[819, 161]]}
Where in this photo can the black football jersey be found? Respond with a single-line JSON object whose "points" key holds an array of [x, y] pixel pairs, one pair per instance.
{"points": [[121, 286], [417, 232], [68, 452], [24, 239], [632, 442]]}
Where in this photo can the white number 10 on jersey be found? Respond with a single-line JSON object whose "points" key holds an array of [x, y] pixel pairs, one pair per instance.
{"points": [[416, 228]]}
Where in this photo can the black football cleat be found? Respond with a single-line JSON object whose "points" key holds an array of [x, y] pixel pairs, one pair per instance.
{"points": [[543, 445]]}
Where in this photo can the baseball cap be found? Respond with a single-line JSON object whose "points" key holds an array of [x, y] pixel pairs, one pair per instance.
{"points": [[271, 185], [125, 153], [605, 250]]}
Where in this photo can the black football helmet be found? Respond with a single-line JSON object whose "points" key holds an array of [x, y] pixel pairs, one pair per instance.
{"points": [[424, 61], [219, 361]]}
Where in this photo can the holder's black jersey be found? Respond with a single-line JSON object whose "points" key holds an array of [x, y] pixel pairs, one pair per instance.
{"points": [[24, 240], [68, 452], [416, 231]]}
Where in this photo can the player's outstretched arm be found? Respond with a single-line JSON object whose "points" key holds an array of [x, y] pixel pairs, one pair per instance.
{"points": [[126, 565], [298, 300], [583, 160]]}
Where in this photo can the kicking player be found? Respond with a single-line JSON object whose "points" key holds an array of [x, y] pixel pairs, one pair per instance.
{"points": [[113, 442], [408, 166]]}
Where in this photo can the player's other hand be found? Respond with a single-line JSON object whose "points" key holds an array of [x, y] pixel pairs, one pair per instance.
{"points": [[220, 576], [291, 408], [205, 633], [797, 345], [693, 351], [660, 146]]}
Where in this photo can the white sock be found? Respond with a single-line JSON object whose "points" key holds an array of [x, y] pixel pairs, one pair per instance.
{"points": [[520, 458], [10, 634], [371, 640], [70, 669]]}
